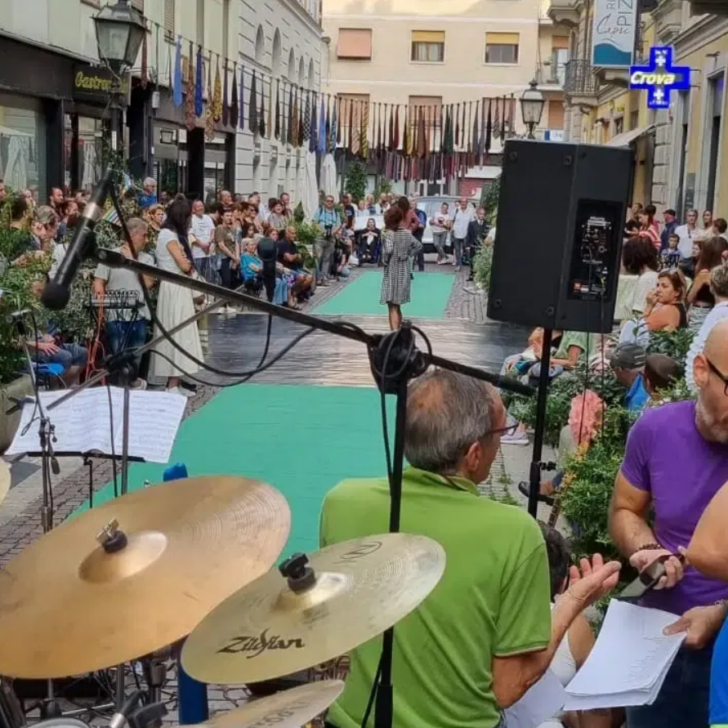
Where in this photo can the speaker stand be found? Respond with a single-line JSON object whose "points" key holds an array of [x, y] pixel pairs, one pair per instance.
{"points": [[537, 464]]}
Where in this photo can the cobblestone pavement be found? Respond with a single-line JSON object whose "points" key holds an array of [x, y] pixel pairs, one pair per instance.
{"points": [[20, 513]]}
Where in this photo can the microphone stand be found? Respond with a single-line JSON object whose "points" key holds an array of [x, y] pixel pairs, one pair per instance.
{"points": [[394, 360]]}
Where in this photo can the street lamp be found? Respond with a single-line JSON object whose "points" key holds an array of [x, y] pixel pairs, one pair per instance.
{"points": [[120, 30], [532, 103]]}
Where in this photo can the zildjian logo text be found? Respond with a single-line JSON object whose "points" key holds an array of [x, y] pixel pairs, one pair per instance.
{"points": [[255, 646]]}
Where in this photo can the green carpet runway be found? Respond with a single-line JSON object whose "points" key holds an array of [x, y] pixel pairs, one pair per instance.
{"points": [[300, 439], [430, 294]]}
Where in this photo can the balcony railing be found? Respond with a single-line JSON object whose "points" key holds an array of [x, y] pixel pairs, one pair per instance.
{"points": [[551, 73], [579, 79]]}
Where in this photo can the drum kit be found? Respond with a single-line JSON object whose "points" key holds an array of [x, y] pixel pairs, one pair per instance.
{"points": [[189, 565]]}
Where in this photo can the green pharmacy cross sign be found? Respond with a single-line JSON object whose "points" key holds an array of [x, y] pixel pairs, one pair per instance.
{"points": [[660, 78]]}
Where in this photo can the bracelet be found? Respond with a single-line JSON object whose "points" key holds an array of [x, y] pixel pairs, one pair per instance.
{"points": [[648, 547]]}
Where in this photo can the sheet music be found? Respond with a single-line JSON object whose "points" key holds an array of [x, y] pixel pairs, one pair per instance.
{"points": [[542, 701], [629, 661], [83, 424]]}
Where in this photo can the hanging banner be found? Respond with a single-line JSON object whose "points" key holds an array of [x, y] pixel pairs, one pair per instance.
{"points": [[614, 33]]}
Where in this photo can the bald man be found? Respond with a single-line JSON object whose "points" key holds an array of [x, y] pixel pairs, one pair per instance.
{"points": [[675, 462]]}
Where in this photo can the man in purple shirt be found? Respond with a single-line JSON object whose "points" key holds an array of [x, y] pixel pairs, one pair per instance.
{"points": [[676, 461]]}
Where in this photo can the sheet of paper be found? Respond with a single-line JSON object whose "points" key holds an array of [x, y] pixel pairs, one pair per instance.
{"points": [[84, 423], [543, 701], [629, 661]]}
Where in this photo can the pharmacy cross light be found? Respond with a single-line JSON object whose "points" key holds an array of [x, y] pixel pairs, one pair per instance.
{"points": [[660, 78]]}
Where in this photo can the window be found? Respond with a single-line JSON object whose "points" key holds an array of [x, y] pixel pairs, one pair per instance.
{"points": [[354, 44], [556, 114], [634, 120], [428, 46], [169, 13], [501, 48]]}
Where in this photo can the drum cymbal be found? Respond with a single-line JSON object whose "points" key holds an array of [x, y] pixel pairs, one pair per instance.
{"points": [[267, 629], [287, 709], [69, 606], [4, 480]]}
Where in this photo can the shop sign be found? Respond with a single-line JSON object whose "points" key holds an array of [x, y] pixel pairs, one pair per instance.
{"points": [[614, 33], [95, 83], [660, 78]]}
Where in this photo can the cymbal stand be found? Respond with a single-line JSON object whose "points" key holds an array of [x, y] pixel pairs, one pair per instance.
{"points": [[47, 436]]}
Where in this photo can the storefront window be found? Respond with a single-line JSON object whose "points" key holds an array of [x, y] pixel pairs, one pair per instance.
{"points": [[22, 149], [83, 149]]}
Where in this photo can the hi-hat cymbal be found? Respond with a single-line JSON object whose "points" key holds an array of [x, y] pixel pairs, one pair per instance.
{"points": [[361, 588], [4, 480], [287, 709], [68, 606]]}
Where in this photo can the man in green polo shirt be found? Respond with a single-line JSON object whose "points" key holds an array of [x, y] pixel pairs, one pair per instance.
{"points": [[486, 633]]}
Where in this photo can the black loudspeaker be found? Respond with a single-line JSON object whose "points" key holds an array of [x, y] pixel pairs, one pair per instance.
{"points": [[558, 246]]}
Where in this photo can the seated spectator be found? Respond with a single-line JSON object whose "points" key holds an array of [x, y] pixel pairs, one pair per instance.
{"points": [[292, 261], [277, 218], [44, 228], [671, 255], [665, 309], [126, 330], [370, 241], [661, 373], [628, 363], [700, 298], [17, 243], [719, 289], [573, 650], [48, 348], [486, 633]]}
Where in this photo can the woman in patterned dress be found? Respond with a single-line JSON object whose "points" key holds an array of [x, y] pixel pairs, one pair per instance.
{"points": [[398, 249]]}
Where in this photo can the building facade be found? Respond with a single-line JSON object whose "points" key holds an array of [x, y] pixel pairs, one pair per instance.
{"points": [[448, 52], [55, 105], [679, 151]]}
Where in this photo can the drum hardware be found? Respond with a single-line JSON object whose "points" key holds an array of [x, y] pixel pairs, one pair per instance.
{"points": [[11, 710]]}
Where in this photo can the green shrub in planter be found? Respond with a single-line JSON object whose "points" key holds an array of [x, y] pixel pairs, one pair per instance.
{"points": [[482, 266]]}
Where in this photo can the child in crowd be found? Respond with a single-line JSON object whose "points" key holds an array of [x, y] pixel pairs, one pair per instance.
{"points": [[671, 255], [661, 373]]}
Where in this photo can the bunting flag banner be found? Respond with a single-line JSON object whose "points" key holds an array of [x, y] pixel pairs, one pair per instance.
{"points": [[307, 118], [190, 99], [262, 129], [449, 138], [489, 128], [349, 142], [330, 124], [364, 146], [339, 111], [177, 80], [313, 125], [395, 135], [301, 120], [200, 84], [217, 95], [457, 127], [406, 149], [253, 106], [512, 115], [464, 128], [323, 131], [390, 133], [291, 123], [278, 132], [355, 127], [496, 120], [210, 111], [145, 62], [270, 107], [334, 135], [225, 98], [241, 100], [475, 143], [422, 137]]}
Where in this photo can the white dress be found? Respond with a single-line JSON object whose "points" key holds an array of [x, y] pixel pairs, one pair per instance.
{"points": [[174, 305]]}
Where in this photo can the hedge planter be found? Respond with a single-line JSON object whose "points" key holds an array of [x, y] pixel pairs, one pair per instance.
{"points": [[22, 387]]}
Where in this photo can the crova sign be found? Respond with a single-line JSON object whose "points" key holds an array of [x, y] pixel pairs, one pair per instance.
{"points": [[95, 83], [659, 78]]}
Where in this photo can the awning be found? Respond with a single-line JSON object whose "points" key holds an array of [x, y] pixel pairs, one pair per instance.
{"points": [[629, 137]]}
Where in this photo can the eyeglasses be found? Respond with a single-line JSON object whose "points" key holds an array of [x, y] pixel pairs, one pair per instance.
{"points": [[723, 378], [511, 429]]}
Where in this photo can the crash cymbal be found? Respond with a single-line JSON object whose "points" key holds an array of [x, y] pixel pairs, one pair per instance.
{"points": [[345, 595], [4, 480], [79, 600], [287, 709]]}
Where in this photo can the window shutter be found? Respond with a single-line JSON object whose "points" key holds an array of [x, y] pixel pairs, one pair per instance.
{"points": [[502, 38], [428, 36], [169, 13]]}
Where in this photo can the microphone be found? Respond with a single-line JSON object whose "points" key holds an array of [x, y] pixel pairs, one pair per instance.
{"points": [[15, 315], [57, 292]]}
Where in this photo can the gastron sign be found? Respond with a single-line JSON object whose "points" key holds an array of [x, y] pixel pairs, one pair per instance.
{"points": [[660, 78]]}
